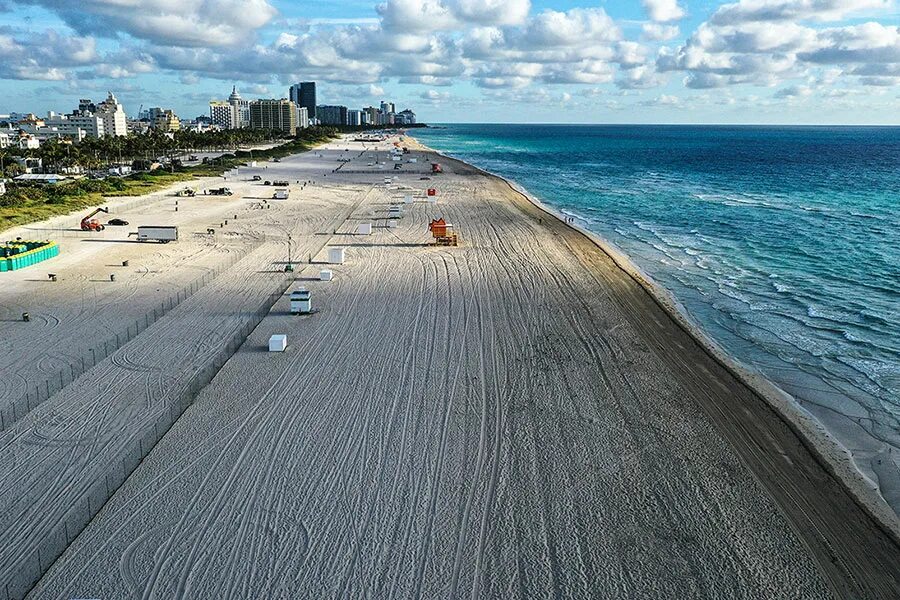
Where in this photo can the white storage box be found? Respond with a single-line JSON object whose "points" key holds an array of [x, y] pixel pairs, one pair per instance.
{"points": [[326, 275], [336, 255], [364, 229], [407, 199], [277, 343], [300, 302]]}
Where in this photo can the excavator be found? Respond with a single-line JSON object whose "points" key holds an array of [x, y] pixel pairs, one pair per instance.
{"points": [[89, 223]]}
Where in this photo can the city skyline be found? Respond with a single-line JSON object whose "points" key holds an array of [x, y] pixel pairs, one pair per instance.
{"points": [[678, 61]]}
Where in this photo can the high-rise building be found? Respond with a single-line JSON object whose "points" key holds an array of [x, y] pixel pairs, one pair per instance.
{"points": [[331, 115], [304, 95], [354, 118], [302, 117], [241, 107], [405, 117], [387, 107], [373, 116], [224, 114], [113, 116], [280, 115]]}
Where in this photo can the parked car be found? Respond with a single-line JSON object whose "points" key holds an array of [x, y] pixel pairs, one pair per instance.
{"points": [[257, 178], [117, 222]]}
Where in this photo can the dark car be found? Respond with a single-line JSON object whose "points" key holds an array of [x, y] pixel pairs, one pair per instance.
{"points": [[117, 222]]}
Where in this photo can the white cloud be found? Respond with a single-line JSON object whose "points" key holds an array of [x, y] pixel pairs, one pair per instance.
{"points": [[659, 33], [420, 16], [172, 22], [663, 11], [793, 10]]}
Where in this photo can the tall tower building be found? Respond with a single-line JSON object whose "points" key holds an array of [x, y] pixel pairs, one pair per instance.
{"points": [[113, 116], [304, 96], [274, 114], [241, 107]]}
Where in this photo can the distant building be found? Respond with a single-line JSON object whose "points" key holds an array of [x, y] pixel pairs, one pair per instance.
{"points": [[373, 116], [86, 107], [113, 116], [280, 115], [224, 114], [4, 140], [302, 117], [77, 126], [331, 115], [405, 117], [138, 127], [355, 118], [241, 107], [304, 95], [167, 122], [387, 107]]}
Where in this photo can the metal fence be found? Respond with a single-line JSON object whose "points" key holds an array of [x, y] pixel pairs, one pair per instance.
{"points": [[39, 391], [16, 580]]}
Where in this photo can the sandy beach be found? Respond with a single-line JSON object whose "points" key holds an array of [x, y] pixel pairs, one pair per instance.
{"points": [[516, 417]]}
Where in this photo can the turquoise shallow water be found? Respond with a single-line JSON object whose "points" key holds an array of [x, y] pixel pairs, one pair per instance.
{"points": [[782, 243]]}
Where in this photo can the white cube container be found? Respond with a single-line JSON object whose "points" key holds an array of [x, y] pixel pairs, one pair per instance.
{"points": [[301, 303], [407, 199], [364, 229], [336, 255], [326, 275], [278, 343]]}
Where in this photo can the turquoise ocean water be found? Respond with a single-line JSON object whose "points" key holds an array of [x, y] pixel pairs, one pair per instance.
{"points": [[782, 243]]}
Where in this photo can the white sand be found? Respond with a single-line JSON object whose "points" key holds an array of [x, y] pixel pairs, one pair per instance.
{"points": [[481, 421]]}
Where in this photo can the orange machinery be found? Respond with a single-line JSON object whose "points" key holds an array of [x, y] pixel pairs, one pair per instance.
{"points": [[89, 223], [443, 233]]}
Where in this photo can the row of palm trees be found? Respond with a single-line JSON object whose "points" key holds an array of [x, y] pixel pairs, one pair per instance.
{"points": [[94, 153]]}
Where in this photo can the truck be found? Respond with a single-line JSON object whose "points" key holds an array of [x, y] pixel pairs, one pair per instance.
{"points": [[220, 192], [280, 195], [156, 233]]}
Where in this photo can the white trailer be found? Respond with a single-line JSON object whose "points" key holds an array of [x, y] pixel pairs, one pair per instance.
{"points": [[157, 233], [281, 195]]}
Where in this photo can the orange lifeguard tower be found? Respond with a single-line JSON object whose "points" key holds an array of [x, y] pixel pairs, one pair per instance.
{"points": [[443, 233]]}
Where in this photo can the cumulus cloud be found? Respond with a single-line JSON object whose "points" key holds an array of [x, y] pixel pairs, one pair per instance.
{"points": [[767, 42], [793, 10], [659, 33], [436, 15], [173, 22], [663, 11]]}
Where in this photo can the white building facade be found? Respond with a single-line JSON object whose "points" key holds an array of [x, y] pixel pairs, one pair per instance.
{"points": [[224, 114], [113, 116]]}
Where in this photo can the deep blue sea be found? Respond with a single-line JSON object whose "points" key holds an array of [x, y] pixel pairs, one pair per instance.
{"points": [[783, 243]]}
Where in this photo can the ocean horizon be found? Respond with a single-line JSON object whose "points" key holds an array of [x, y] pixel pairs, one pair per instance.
{"points": [[780, 242]]}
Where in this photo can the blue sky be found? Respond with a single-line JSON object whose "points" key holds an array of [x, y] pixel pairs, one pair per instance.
{"points": [[641, 61]]}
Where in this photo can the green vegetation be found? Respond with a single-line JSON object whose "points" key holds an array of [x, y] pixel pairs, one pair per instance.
{"points": [[27, 204]]}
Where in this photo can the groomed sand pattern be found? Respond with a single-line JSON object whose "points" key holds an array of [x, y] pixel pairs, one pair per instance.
{"points": [[483, 421]]}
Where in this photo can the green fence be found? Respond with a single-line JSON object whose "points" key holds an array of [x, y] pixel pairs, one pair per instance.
{"points": [[18, 254]]}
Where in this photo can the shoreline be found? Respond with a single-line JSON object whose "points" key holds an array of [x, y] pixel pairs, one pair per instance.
{"points": [[834, 457]]}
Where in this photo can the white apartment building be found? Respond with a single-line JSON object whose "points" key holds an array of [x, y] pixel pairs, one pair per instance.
{"points": [[5, 140], [354, 118], [302, 117], [113, 116], [224, 114]]}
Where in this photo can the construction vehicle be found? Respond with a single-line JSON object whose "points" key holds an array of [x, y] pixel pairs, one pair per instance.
{"points": [[436, 168], [443, 233], [156, 233], [186, 193], [89, 223], [221, 192]]}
